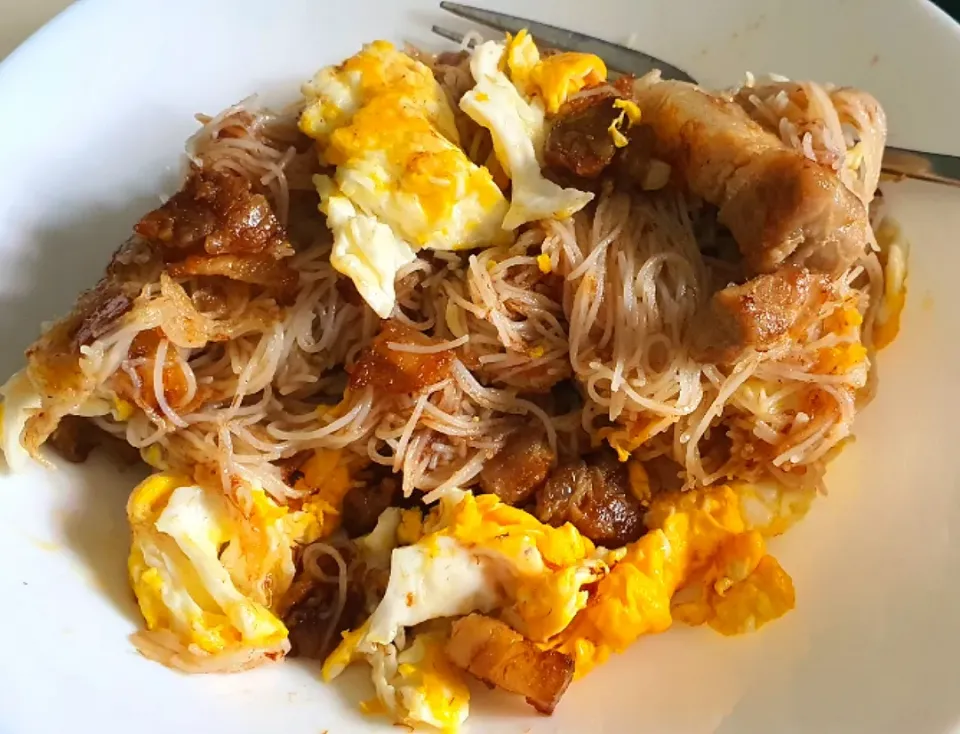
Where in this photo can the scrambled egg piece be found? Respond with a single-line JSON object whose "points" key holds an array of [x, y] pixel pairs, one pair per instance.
{"points": [[762, 595], [475, 554], [840, 359], [410, 528], [402, 182], [770, 508], [152, 455], [20, 399], [517, 128], [201, 576], [337, 93], [695, 538], [399, 168], [554, 79], [521, 56], [848, 355], [326, 476], [364, 249], [428, 686], [559, 77], [543, 570]]}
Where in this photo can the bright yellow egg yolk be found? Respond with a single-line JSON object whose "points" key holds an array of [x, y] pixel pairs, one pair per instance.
{"points": [[695, 537], [484, 521], [430, 168], [560, 76], [555, 78], [326, 478]]}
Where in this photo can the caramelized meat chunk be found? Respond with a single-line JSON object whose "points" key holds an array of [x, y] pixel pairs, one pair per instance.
{"points": [[501, 657], [309, 610], [217, 213], [580, 143], [215, 225], [780, 207], [143, 348], [758, 314], [363, 505], [398, 372], [75, 438], [309, 622], [579, 140], [594, 495], [519, 469], [53, 360], [258, 270], [103, 316]]}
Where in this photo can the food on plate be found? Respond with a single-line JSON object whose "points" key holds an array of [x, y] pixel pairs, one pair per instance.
{"points": [[779, 205], [490, 650], [478, 366]]}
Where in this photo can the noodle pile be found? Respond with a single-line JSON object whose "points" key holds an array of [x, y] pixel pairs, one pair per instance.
{"points": [[605, 297]]}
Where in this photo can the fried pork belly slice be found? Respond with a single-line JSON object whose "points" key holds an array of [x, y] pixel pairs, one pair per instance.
{"points": [[53, 361], [217, 213], [256, 269], [758, 315], [396, 371], [493, 652], [215, 225], [780, 207], [828, 115]]}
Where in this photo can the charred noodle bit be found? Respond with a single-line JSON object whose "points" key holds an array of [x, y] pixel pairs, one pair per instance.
{"points": [[471, 363]]}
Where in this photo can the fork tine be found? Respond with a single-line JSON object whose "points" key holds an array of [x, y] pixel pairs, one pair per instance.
{"points": [[497, 21], [448, 34], [617, 58]]}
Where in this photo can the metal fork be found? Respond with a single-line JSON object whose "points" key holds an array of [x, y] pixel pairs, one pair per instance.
{"points": [[897, 162]]}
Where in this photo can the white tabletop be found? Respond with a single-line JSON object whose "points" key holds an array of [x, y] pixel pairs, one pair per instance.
{"points": [[20, 18]]}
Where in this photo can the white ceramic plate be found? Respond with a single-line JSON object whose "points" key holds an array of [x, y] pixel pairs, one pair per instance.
{"points": [[95, 110]]}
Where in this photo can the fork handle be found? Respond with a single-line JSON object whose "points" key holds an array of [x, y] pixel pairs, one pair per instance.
{"points": [[935, 167]]}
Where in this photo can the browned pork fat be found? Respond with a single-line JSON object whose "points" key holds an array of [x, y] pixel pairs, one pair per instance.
{"points": [[780, 207], [519, 469], [217, 213], [499, 656], [256, 269], [309, 612], [758, 314], [579, 140], [53, 360], [311, 607], [593, 493], [398, 372], [215, 225], [363, 505], [76, 437]]}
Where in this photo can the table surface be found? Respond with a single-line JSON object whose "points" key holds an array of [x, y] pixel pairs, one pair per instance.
{"points": [[20, 18]]}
